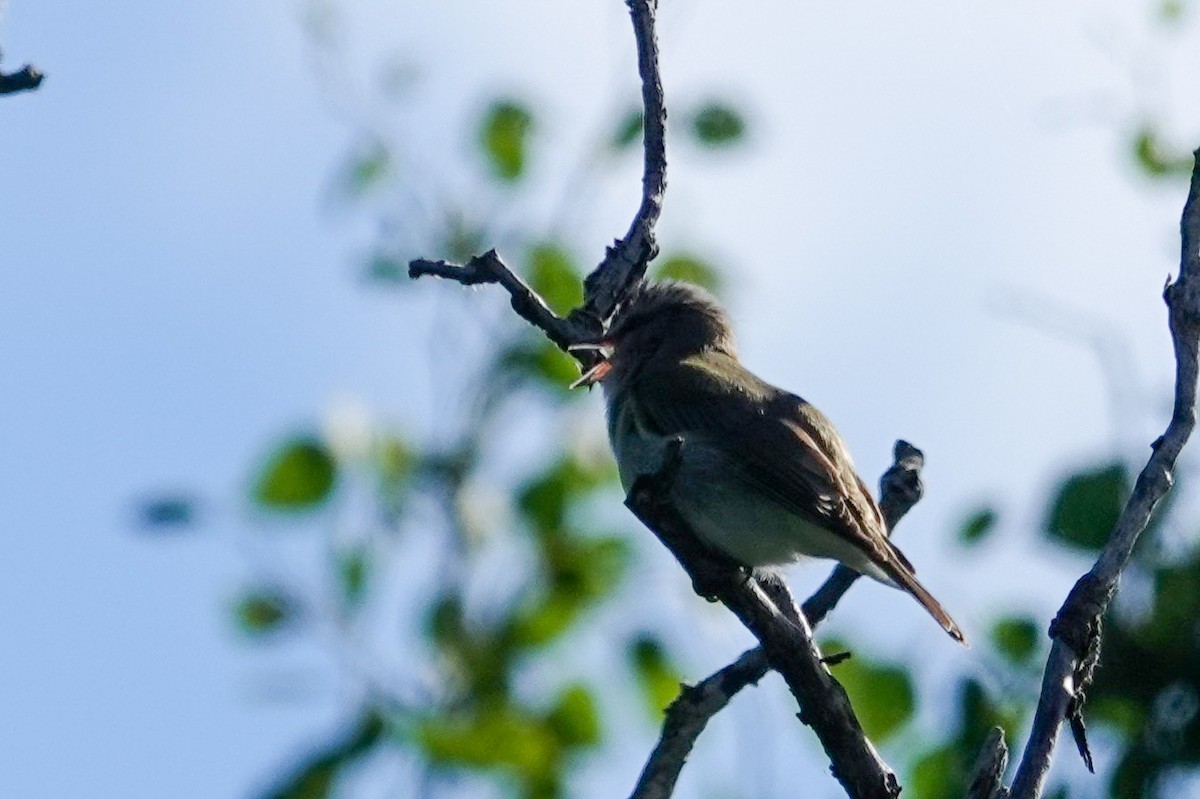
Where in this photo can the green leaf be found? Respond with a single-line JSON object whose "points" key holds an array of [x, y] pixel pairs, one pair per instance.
{"points": [[504, 138], [882, 693], [717, 125], [353, 570], [574, 717], [395, 463], [1016, 638], [1087, 505], [977, 526], [936, 775], [263, 610], [628, 132], [542, 363], [554, 276], [366, 168], [657, 676], [314, 778], [298, 476], [1155, 159], [544, 500], [689, 269], [497, 734]]}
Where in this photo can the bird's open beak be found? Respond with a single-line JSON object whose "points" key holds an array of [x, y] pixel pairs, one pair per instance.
{"points": [[602, 367]]}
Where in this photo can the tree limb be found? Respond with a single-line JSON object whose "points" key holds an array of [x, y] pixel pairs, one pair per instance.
{"points": [[27, 78], [900, 489], [1076, 629]]}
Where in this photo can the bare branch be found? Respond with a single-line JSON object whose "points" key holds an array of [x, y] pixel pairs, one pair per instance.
{"points": [[900, 489], [987, 780], [1076, 629], [488, 268], [625, 262], [687, 717], [27, 78]]}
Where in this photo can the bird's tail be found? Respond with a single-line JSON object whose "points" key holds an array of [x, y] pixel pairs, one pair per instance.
{"points": [[902, 575]]}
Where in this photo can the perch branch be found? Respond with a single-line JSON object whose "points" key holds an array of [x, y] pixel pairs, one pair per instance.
{"points": [[787, 644], [900, 489], [1076, 629]]}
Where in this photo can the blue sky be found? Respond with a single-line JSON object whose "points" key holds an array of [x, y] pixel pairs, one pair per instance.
{"points": [[177, 290]]}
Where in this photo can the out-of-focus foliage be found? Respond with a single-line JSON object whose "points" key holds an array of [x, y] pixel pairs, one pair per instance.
{"points": [[977, 526], [478, 712], [882, 693], [504, 138], [658, 677], [299, 475], [717, 124], [1086, 505]]}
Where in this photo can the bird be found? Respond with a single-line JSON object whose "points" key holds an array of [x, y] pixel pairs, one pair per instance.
{"points": [[763, 476]]}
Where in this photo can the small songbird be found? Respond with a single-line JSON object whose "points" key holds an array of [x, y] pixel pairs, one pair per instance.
{"points": [[764, 478]]}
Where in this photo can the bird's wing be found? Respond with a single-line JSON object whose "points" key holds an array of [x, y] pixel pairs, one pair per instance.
{"points": [[785, 449]]}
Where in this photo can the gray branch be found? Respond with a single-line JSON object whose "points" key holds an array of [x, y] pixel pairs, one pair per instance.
{"points": [[625, 262], [1076, 629], [900, 488]]}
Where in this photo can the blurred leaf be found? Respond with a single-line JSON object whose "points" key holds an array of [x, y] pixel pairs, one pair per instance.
{"points": [[628, 132], [689, 269], [462, 240], [1123, 712], [504, 138], [544, 618], [496, 735], [167, 512], [544, 499], [717, 125], [1171, 11], [366, 167], [385, 268], [659, 679], [936, 775], [353, 569], [540, 361], [581, 573], [977, 526], [554, 276], [395, 463], [1155, 159], [298, 476], [1016, 638], [1087, 505], [263, 610], [882, 694], [314, 777], [574, 717]]}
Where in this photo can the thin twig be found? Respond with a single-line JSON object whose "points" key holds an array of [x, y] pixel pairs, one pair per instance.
{"points": [[900, 489], [1076, 629], [27, 78]]}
